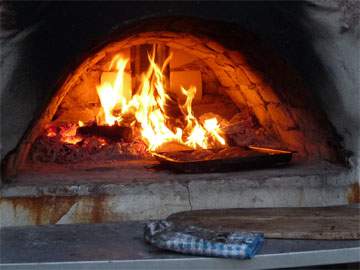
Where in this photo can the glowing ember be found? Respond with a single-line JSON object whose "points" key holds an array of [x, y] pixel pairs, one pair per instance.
{"points": [[148, 107], [68, 134]]}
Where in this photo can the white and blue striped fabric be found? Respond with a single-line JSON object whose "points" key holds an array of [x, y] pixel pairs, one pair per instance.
{"points": [[199, 241]]}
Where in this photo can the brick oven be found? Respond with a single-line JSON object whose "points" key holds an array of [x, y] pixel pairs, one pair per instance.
{"points": [[128, 111]]}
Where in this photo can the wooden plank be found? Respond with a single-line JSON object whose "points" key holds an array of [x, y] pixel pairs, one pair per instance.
{"points": [[331, 223]]}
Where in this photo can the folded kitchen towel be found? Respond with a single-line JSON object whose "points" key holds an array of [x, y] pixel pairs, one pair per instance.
{"points": [[199, 241]]}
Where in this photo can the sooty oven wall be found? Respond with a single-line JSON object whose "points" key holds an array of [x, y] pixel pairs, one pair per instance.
{"points": [[41, 40]]}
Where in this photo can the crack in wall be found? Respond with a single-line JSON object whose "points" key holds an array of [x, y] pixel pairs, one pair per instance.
{"points": [[188, 194]]}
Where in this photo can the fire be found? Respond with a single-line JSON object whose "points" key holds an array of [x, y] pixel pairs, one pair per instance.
{"points": [[113, 94], [212, 126], [148, 106], [197, 137]]}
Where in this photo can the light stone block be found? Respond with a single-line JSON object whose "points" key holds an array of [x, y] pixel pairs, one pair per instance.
{"points": [[180, 58], [186, 79]]}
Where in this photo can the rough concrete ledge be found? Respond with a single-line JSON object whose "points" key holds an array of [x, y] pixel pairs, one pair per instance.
{"points": [[55, 202]]}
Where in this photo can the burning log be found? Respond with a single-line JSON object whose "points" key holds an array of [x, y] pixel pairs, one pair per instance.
{"points": [[112, 133]]}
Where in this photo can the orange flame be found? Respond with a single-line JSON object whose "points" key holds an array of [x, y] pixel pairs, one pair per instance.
{"points": [[148, 106], [112, 94]]}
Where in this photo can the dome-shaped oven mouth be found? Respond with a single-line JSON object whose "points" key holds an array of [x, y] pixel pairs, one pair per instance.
{"points": [[157, 89]]}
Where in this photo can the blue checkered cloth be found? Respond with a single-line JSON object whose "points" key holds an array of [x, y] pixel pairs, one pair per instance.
{"points": [[199, 241]]}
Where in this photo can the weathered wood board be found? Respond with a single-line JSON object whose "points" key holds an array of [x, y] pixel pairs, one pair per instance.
{"points": [[327, 223]]}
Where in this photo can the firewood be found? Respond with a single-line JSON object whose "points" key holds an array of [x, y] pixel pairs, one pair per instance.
{"points": [[112, 133]]}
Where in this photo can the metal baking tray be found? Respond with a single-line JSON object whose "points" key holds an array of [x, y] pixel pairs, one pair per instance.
{"points": [[240, 158]]}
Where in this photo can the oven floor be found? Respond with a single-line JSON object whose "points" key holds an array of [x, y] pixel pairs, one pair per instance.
{"points": [[121, 246], [148, 171]]}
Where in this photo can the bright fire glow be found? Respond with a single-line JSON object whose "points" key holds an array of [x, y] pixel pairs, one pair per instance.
{"points": [[149, 107], [112, 94]]}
